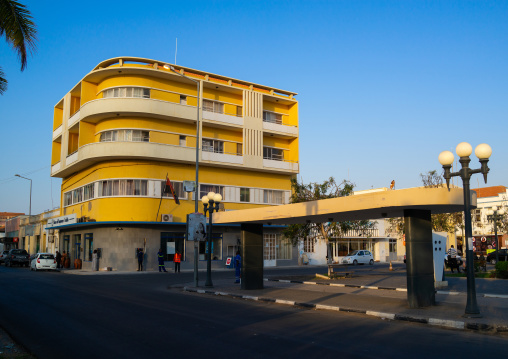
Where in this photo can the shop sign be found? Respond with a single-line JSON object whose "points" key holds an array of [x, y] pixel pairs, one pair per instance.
{"points": [[63, 220]]}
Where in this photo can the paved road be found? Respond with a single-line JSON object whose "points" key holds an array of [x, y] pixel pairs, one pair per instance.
{"points": [[135, 316]]}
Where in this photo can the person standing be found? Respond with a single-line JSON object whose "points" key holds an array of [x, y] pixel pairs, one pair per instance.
{"points": [[95, 260], [58, 259], [238, 267], [177, 259], [140, 255], [452, 259], [160, 259]]}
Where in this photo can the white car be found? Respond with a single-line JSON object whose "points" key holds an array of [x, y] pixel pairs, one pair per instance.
{"points": [[43, 261], [359, 257]]}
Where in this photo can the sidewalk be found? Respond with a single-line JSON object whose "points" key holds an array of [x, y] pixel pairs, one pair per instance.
{"points": [[382, 296]]}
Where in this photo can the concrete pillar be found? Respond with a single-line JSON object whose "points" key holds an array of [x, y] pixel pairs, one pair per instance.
{"points": [[252, 256], [420, 271]]}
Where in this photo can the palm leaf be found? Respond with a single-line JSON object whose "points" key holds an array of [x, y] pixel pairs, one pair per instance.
{"points": [[19, 30], [3, 83]]}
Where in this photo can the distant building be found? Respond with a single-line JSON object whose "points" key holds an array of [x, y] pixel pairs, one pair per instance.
{"points": [[131, 122]]}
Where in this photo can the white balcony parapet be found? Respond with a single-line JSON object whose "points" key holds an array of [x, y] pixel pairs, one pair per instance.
{"points": [[290, 130], [74, 118], [55, 167], [283, 165], [221, 117], [57, 132], [221, 157], [71, 158]]}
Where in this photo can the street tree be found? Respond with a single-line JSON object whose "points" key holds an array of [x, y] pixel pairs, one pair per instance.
{"points": [[20, 33], [441, 222], [324, 230]]}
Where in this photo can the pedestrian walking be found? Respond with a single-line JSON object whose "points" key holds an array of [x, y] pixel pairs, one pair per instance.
{"points": [[177, 259], [452, 259], [238, 267], [140, 255], [160, 258], [58, 259]]}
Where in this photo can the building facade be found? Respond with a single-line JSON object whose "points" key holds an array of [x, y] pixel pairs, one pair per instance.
{"points": [[483, 227], [131, 123]]}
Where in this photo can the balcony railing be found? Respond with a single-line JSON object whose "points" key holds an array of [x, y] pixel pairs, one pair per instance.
{"points": [[222, 117], [274, 126], [283, 165], [221, 157], [73, 157], [74, 118]]}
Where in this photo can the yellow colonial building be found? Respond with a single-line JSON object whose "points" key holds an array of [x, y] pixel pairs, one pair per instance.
{"points": [[130, 123]]}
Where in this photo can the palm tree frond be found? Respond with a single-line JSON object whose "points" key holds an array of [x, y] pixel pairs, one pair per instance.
{"points": [[3, 82], [18, 28]]}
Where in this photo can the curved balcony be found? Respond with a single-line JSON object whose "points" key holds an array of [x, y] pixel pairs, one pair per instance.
{"points": [[93, 153], [280, 129], [100, 109]]}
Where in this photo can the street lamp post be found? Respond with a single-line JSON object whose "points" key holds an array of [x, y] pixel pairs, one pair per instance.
{"points": [[464, 150], [208, 202], [196, 189], [494, 214], [30, 207]]}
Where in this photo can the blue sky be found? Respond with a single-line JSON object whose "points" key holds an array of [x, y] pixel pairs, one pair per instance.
{"points": [[383, 86]]}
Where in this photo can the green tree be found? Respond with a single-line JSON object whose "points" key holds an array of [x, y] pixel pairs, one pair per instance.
{"points": [[20, 33], [441, 222], [325, 230]]}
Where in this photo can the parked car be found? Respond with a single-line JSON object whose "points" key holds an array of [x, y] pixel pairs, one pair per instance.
{"points": [[491, 257], [43, 261], [359, 257], [3, 255], [17, 256]]}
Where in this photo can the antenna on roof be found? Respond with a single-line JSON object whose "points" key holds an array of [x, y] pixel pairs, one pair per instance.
{"points": [[176, 48]]}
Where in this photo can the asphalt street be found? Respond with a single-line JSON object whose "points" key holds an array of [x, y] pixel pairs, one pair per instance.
{"points": [[135, 315]]}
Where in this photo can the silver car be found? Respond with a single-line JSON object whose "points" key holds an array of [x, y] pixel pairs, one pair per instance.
{"points": [[359, 257]]}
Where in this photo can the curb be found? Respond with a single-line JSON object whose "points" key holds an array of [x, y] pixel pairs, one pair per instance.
{"points": [[484, 295], [449, 324]]}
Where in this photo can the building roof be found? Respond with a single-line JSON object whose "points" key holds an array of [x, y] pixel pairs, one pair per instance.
{"points": [[492, 191], [10, 214]]}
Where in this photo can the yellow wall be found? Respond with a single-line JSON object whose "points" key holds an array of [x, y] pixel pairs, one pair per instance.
{"points": [[88, 92], [145, 209], [148, 81], [57, 117], [221, 96], [86, 133], [75, 104], [73, 143], [222, 134], [145, 124], [56, 152]]}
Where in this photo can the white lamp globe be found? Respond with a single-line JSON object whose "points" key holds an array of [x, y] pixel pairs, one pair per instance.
{"points": [[500, 212], [210, 195], [483, 151], [494, 208], [446, 158], [490, 212], [204, 199], [217, 198], [464, 149]]}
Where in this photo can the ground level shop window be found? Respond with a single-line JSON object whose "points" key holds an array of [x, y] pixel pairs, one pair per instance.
{"points": [[172, 242], [216, 248]]}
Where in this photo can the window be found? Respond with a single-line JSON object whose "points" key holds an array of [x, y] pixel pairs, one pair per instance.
{"points": [[182, 141], [272, 117], [183, 100], [213, 106], [67, 199], [205, 188], [123, 188], [88, 250], [239, 149], [125, 135], [215, 146], [272, 196], [393, 246], [308, 245], [177, 186], [239, 111], [89, 191], [77, 195], [216, 248], [270, 153], [244, 194], [127, 92], [283, 247], [476, 215]]}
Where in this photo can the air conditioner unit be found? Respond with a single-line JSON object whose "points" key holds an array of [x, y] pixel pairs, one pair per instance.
{"points": [[166, 218]]}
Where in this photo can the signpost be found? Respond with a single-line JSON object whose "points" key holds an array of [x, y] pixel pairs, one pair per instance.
{"points": [[196, 231]]}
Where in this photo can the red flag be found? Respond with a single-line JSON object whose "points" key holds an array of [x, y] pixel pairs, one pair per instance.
{"points": [[169, 188]]}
